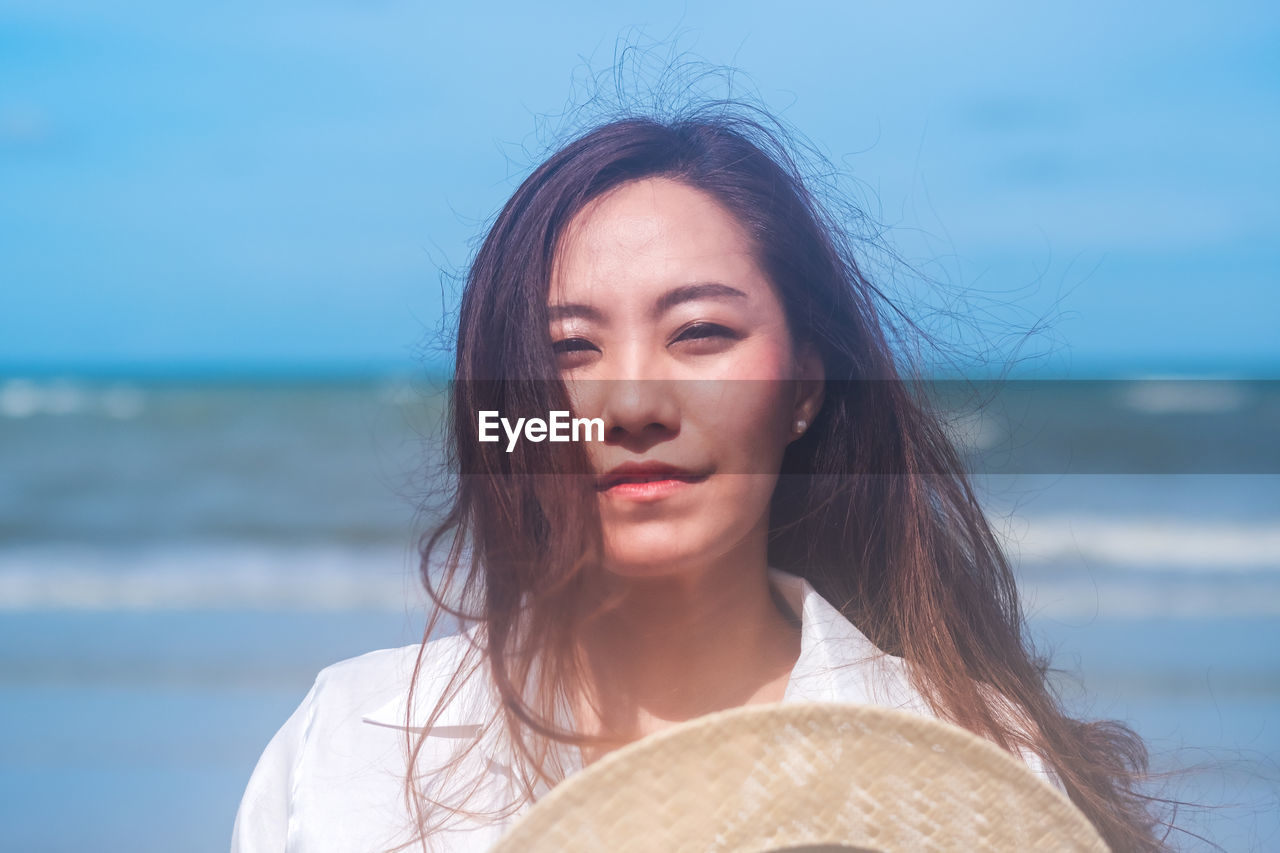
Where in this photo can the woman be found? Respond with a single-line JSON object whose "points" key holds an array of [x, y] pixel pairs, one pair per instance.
{"points": [[770, 513]]}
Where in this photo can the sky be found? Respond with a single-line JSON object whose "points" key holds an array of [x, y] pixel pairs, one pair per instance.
{"points": [[296, 185]]}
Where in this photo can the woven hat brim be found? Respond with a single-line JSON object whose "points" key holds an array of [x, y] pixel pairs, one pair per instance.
{"points": [[784, 776]]}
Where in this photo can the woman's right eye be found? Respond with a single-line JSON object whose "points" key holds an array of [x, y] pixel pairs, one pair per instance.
{"points": [[572, 345], [573, 352]]}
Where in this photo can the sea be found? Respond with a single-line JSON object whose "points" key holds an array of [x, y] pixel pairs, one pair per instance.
{"points": [[179, 556]]}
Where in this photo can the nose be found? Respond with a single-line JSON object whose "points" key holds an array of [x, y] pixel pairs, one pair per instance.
{"points": [[632, 394], [637, 411]]}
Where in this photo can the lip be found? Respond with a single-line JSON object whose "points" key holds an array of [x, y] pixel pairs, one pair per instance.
{"points": [[647, 480]]}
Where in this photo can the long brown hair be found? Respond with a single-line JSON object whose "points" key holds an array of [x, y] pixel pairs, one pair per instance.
{"points": [[873, 506]]}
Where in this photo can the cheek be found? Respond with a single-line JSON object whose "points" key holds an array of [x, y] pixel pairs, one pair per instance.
{"points": [[745, 416], [766, 358], [745, 429]]}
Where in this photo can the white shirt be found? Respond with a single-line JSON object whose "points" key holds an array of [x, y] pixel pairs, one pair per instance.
{"points": [[332, 778]]}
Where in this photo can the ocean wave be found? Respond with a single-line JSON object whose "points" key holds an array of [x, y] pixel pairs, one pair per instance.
{"points": [[202, 578], [1168, 395], [1158, 543], [1140, 599], [194, 578], [22, 398]]}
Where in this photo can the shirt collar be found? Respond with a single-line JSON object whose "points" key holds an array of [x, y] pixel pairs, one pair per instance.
{"points": [[469, 707], [831, 668], [835, 657]]}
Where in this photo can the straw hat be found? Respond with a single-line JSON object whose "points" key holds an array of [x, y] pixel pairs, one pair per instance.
{"points": [[804, 777]]}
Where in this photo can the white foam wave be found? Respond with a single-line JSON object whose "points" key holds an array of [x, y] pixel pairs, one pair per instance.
{"points": [[1109, 573], [1140, 599], [1166, 396], [22, 398], [1171, 543], [184, 578]]}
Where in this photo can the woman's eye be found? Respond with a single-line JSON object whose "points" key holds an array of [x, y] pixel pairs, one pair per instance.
{"points": [[573, 352], [705, 331], [572, 345]]}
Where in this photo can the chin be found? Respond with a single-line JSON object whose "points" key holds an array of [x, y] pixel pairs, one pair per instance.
{"points": [[661, 550], [650, 556], [646, 565]]}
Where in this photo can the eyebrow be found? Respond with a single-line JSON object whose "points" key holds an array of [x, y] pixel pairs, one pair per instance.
{"points": [[668, 300]]}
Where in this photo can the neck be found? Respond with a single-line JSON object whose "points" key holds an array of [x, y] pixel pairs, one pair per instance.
{"points": [[679, 646]]}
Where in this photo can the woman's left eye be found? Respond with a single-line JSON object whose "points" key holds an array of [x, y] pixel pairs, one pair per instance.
{"points": [[701, 331]]}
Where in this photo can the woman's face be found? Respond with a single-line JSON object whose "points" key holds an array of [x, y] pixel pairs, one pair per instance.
{"points": [[666, 328]]}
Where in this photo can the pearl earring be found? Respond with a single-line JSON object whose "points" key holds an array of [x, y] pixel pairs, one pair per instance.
{"points": [[801, 425]]}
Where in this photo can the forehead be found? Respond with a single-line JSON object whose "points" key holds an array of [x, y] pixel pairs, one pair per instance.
{"points": [[653, 233]]}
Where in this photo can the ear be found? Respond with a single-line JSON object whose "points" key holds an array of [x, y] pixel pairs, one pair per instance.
{"points": [[811, 384]]}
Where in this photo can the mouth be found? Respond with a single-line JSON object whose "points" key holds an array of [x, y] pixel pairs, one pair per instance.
{"points": [[646, 479]]}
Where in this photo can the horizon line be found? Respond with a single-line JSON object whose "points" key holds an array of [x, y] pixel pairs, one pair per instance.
{"points": [[375, 370]]}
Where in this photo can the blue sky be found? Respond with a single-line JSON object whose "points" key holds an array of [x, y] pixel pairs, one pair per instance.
{"points": [[254, 185]]}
